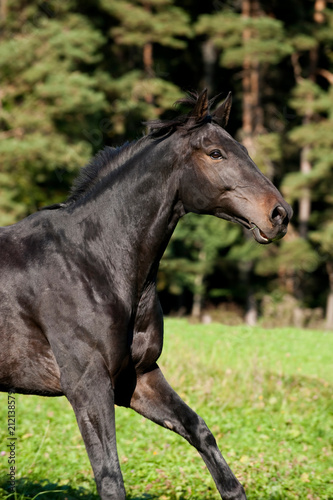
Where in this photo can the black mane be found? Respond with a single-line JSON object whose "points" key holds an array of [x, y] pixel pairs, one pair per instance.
{"points": [[90, 175], [102, 164]]}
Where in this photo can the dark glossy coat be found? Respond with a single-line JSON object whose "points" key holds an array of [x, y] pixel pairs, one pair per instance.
{"points": [[79, 310]]}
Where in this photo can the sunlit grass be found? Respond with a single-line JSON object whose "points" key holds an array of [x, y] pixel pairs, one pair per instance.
{"points": [[265, 394]]}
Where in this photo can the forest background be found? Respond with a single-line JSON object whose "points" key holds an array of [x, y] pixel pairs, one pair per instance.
{"points": [[76, 76]]}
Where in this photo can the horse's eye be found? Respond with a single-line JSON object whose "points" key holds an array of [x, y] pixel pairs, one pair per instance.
{"points": [[216, 154]]}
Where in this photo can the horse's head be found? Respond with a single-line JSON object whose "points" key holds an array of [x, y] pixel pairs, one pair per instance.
{"points": [[220, 178]]}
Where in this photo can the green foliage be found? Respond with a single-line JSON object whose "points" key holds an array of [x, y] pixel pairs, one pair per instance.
{"points": [[267, 43], [132, 90], [303, 42], [324, 238], [47, 100], [193, 252], [266, 395], [316, 135], [308, 97], [292, 255], [149, 21]]}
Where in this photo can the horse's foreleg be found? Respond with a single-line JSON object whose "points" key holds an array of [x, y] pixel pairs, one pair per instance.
{"points": [[155, 399], [92, 398]]}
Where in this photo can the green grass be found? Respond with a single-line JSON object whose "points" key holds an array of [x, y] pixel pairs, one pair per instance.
{"points": [[265, 394]]}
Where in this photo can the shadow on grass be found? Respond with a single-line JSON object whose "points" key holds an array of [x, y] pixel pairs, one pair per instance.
{"points": [[29, 490]]}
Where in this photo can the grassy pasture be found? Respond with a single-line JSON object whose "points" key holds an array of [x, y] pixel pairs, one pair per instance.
{"points": [[265, 394]]}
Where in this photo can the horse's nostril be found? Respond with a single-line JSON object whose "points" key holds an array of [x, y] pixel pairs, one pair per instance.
{"points": [[278, 214]]}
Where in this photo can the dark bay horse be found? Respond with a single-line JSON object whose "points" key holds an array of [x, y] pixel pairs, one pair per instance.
{"points": [[79, 312]]}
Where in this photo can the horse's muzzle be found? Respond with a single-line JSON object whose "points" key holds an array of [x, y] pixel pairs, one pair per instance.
{"points": [[279, 218]]}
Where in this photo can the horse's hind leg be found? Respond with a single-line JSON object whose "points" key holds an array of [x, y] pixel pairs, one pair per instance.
{"points": [[155, 399]]}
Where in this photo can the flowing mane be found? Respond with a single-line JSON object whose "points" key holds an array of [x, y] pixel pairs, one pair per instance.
{"points": [[105, 162]]}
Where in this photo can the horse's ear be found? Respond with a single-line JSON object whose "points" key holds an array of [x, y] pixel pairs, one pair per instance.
{"points": [[221, 115], [200, 110]]}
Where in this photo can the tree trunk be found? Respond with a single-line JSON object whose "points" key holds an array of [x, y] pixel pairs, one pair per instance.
{"points": [[148, 60], [198, 287], [320, 6], [253, 115], [253, 124], [197, 304], [305, 165], [245, 275], [3, 10], [305, 200], [209, 56], [247, 128], [329, 304], [251, 314]]}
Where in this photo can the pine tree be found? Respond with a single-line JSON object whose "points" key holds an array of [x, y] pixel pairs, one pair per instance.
{"points": [[48, 101], [254, 41], [139, 27], [312, 100]]}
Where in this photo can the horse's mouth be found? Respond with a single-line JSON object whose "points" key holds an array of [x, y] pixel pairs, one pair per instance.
{"points": [[258, 234]]}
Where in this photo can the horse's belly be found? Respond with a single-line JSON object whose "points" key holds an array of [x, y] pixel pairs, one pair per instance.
{"points": [[27, 364]]}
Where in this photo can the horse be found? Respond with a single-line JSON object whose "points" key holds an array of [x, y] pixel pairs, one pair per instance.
{"points": [[79, 311]]}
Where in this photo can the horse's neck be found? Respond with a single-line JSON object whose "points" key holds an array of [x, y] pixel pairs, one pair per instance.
{"points": [[136, 215]]}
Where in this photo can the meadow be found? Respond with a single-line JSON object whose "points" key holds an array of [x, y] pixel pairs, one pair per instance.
{"points": [[267, 395]]}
